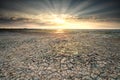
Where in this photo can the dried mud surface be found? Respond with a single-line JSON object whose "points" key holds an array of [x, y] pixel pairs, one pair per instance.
{"points": [[90, 55]]}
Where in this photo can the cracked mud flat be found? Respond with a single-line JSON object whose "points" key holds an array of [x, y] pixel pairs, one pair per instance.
{"points": [[81, 55]]}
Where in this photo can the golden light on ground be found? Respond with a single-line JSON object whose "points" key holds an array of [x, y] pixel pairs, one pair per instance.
{"points": [[59, 31]]}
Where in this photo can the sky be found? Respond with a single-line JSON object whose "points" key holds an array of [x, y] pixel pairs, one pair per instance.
{"points": [[63, 14]]}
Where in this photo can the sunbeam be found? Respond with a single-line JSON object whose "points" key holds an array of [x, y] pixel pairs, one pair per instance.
{"points": [[60, 13]]}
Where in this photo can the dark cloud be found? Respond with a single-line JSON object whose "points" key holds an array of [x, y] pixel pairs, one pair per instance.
{"points": [[24, 21], [6, 20]]}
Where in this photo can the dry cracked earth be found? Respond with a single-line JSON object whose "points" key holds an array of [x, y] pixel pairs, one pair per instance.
{"points": [[81, 55]]}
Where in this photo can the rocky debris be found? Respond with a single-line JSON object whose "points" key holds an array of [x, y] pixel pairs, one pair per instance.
{"points": [[78, 56]]}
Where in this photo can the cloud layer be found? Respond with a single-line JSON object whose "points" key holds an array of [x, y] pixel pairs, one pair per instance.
{"points": [[41, 13]]}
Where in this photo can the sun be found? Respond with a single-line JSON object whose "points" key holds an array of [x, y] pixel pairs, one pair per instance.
{"points": [[65, 21], [59, 20]]}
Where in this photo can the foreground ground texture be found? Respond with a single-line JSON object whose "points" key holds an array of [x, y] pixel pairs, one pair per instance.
{"points": [[81, 55]]}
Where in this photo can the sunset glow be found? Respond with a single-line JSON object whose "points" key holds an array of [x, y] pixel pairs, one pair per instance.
{"points": [[59, 20], [59, 39], [60, 14], [59, 31]]}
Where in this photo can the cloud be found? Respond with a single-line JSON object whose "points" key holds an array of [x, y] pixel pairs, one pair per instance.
{"points": [[16, 22], [46, 21]]}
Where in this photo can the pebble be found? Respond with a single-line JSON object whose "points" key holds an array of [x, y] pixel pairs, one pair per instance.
{"points": [[74, 57]]}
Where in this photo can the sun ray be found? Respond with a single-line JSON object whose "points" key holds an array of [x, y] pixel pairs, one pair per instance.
{"points": [[92, 9], [80, 7]]}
